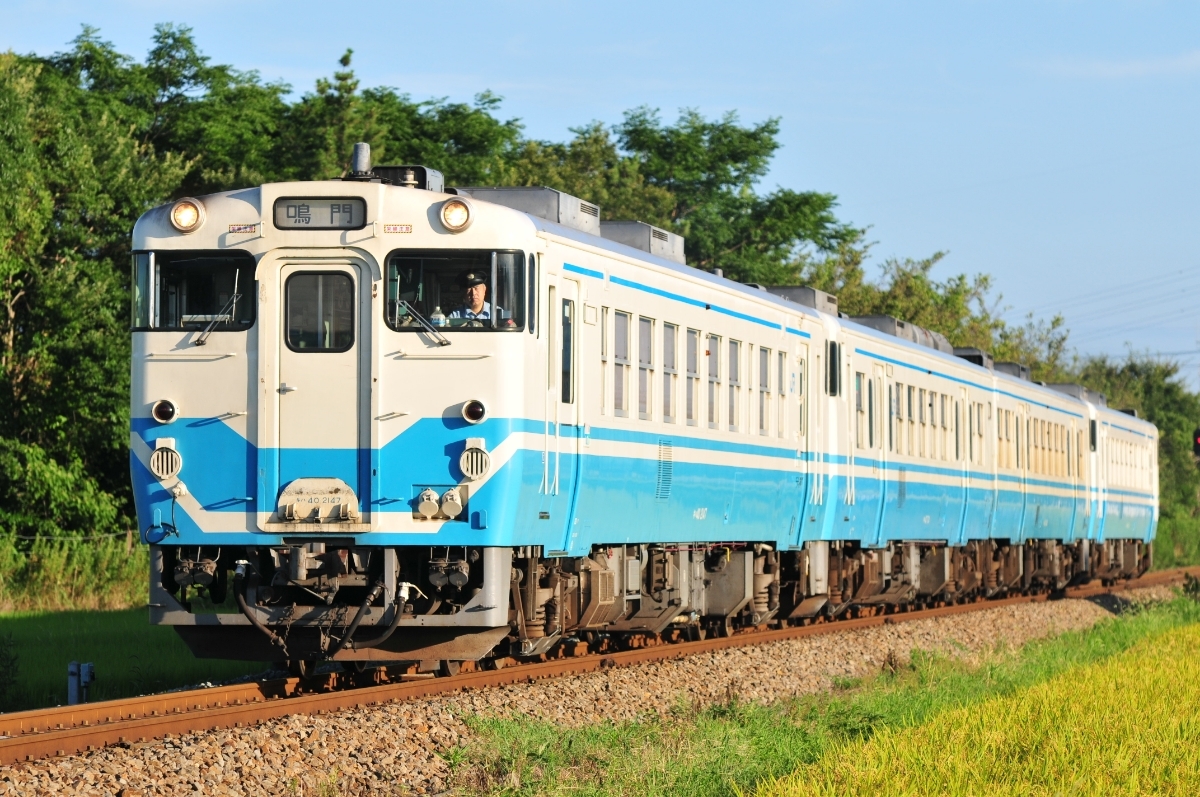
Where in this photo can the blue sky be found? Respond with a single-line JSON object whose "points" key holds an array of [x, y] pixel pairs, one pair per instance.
{"points": [[1051, 145]]}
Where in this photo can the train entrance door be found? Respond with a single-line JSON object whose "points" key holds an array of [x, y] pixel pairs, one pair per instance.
{"points": [[564, 430], [318, 380]]}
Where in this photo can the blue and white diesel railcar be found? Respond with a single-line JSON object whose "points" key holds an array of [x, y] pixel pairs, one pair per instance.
{"points": [[393, 422]]}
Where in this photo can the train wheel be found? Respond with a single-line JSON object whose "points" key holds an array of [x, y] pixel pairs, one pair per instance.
{"points": [[449, 668]]}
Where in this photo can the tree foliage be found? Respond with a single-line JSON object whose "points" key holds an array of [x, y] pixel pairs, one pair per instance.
{"points": [[90, 138]]}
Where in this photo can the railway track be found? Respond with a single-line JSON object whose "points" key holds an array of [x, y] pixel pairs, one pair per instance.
{"points": [[42, 733]]}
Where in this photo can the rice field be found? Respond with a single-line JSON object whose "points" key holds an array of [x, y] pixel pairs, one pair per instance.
{"points": [[1126, 725]]}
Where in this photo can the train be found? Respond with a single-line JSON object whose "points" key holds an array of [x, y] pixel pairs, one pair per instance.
{"points": [[375, 419]]}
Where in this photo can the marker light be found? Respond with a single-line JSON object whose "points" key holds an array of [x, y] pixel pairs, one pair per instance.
{"points": [[473, 411], [164, 411], [456, 215], [187, 215]]}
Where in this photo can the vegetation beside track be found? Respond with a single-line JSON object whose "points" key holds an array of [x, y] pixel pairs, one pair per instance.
{"points": [[131, 656], [1128, 725], [736, 747]]}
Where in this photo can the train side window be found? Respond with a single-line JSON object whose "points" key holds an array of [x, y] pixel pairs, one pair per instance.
{"points": [[532, 291], [833, 369], [957, 434], [1092, 434], [933, 435], [970, 434], [912, 421], [921, 420], [693, 376], [871, 413], [735, 384], [603, 359], [891, 418], [781, 391], [670, 371], [320, 312], [645, 368], [800, 387], [860, 410], [764, 391], [621, 364], [1017, 436], [714, 380], [568, 342]]}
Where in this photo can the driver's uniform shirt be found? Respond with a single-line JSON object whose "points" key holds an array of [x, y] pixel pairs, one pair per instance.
{"points": [[485, 314]]}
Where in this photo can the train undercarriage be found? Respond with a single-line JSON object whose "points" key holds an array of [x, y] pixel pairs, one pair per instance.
{"points": [[436, 607]]}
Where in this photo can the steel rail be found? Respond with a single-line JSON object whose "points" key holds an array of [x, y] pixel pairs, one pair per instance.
{"points": [[42, 733]]}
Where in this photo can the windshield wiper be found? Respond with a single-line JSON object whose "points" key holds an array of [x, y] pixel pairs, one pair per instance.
{"points": [[226, 314], [430, 328]]}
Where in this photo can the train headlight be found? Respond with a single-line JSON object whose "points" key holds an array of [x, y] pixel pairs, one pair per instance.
{"points": [[187, 215], [473, 411], [456, 215], [164, 411]]}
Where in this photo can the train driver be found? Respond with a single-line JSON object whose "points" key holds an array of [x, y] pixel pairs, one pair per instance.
{"points": [[474, 307]]}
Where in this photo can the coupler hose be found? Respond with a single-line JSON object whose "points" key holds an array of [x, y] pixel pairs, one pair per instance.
{"points": [[397, 613], [362, 612], [239, 578]]}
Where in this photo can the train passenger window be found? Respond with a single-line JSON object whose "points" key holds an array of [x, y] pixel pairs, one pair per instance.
{"points": [[970, 434], [532, 292], [693, 376], [1017, 437], [645, 368], [860, 409], [891, 419], [912, 421], [871, 413], [320, 312], [714, 379], [957, 433], [568, 343], [764, 391], [735, 384], [781, 390], [921, 421], [193, 291], [670, 333], [1092, 434], [621, 358], [603, 358], [799, 388], [833, 369], [461, 290]]}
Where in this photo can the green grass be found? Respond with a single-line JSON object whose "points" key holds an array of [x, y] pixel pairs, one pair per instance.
{"points": [[732, 748], [1128, 725], [131, 656]]}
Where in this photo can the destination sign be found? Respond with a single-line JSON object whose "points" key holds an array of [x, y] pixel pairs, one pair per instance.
{"points": [[320, 213]]}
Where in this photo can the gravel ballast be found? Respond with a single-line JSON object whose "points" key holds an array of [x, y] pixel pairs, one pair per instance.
{"points": [[394, 749]]}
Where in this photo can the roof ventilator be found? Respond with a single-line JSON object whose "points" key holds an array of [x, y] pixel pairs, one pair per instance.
{"points": [[646, 237], [906, 331], [1082, 393], [1014, 369], [809, 297], [976, 357]]}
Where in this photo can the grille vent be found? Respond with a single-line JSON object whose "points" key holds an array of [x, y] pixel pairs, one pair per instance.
{"points": [[606, 587], [666, 469], [590, 210], [474, 463], [659, 234], [165, 463]]}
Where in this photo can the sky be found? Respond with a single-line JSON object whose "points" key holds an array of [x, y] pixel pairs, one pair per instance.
{"points": [[1050, 145]]}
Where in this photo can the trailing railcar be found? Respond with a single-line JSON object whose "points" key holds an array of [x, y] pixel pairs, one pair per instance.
{"points": [[392, 422]]}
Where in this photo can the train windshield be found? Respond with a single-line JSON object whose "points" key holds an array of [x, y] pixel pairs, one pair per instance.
{"points": [[459, 290], [193, 290]]}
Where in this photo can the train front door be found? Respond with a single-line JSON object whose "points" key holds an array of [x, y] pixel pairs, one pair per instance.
{"points": [[319, 369]]}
